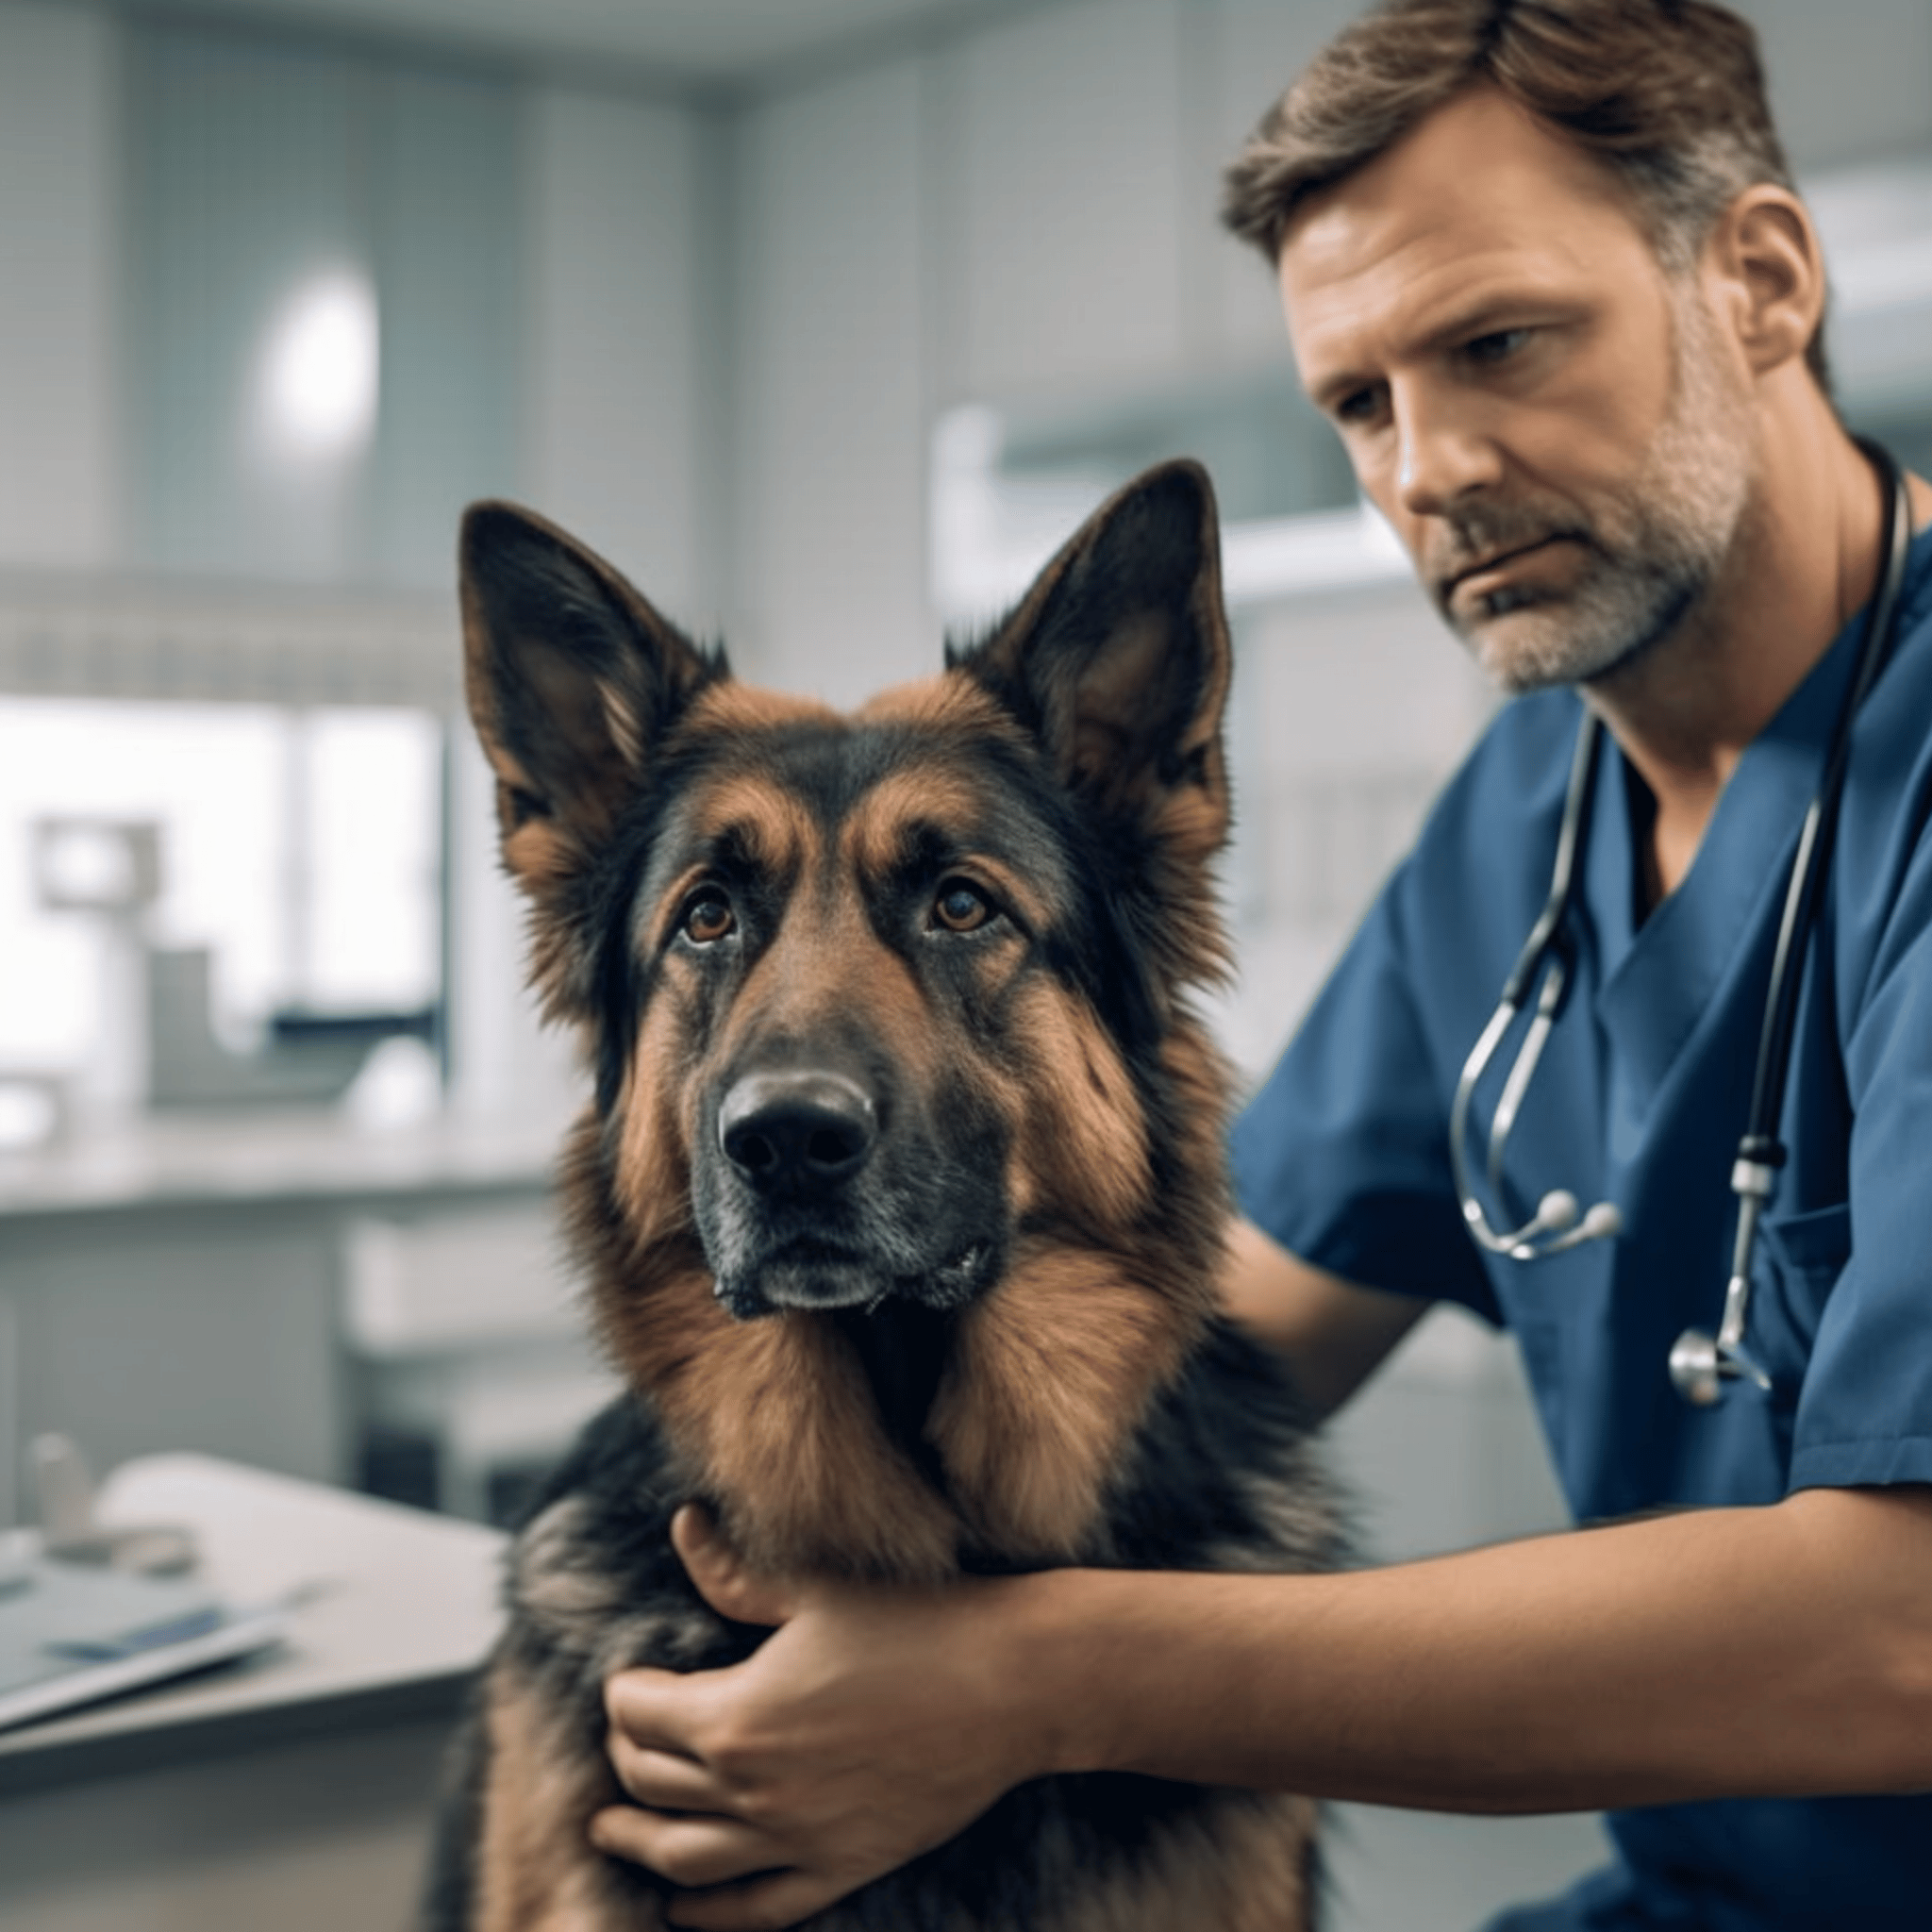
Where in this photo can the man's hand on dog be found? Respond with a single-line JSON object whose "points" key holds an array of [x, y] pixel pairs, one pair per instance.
{"points": [[873, 1725]]}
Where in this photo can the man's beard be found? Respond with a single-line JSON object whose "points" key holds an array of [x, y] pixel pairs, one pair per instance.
{"points": [[1650, 548]]}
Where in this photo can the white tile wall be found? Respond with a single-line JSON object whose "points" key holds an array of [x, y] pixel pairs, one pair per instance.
{"points": [[59, 449], [1246, 51], [618, 330], [831, 389], [614, 405], [1059, 180], [1846, 82]]}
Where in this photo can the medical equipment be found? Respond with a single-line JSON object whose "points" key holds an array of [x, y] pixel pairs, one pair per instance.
{"points": [[1700, 1362]]}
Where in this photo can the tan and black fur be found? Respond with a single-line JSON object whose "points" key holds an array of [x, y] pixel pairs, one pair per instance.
{"points": [[902, 1196]]}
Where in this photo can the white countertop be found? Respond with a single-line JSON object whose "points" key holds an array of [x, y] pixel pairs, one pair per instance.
{"points": [[396, 1608], [241, 1158]]}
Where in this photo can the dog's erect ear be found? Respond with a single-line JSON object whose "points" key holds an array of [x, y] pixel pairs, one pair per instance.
{"points": [[573, 678], [1117, 659]]}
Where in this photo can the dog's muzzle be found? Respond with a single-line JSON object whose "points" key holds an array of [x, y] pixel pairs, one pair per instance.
{"points": [[816, 1193]]}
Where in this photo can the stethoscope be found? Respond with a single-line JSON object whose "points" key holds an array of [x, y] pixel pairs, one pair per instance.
{"points": [[1701, 1363]]}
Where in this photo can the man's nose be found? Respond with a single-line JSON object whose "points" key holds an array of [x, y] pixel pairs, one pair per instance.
{"points": [[1443, 452]]}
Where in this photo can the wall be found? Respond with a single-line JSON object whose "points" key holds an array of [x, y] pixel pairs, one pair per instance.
{"points": [[1022, 211], [1025, 212], [831, 388], [59, 430], [616, 364], [620, 384], [621, 375], [1847, 84]]}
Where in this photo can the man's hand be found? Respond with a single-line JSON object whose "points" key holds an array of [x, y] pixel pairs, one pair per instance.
{"points": [[1596, 1669], [876, 1724]]}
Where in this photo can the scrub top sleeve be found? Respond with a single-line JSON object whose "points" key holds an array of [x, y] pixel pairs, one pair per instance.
{"points": [[1342, 1154], [1865, 1409]]}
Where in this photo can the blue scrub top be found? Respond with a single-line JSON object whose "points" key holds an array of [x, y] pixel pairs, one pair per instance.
{"points": [[1640, 1099]]}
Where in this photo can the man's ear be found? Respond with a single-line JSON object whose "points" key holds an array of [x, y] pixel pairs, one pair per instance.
{"points": [[1767, 252], [573, 679], [1117, 660]]}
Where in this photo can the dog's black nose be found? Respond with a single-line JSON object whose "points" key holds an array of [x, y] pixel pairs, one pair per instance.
{"points": [[796, 1131]]}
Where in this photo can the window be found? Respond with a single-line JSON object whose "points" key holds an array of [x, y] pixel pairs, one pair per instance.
{"points": [[301, 847]]}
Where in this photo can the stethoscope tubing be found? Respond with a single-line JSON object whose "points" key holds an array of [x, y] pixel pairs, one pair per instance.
{"points": [[1699, 1363], [1545, 957]]}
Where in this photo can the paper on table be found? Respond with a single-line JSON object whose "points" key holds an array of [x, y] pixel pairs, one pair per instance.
{"points": [[71, 1633]]}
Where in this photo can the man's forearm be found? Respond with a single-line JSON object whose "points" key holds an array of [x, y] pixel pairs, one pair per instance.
{"points": [[1733, 1652]]}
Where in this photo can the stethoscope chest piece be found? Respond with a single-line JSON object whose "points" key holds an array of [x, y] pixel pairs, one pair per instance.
{"points": [[1701, 1364]]}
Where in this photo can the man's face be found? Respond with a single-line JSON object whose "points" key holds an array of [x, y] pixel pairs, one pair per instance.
{"points": [[1553, 423]]}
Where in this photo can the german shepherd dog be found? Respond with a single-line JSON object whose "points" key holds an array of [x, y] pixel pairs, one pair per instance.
{"points": [[902, 1198]]}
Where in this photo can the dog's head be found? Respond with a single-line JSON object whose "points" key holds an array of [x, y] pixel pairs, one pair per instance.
{"points": [[887, 1008]]}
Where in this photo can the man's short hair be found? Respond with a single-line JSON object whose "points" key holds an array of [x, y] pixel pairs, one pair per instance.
{"points": [[1667, 95]]}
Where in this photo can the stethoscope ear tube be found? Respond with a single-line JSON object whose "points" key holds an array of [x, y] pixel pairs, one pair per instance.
{"points": [[1572, 830]]}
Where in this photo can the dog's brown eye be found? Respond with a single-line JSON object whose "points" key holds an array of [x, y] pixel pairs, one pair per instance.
{"points": [[707, 919], [959, 908]]}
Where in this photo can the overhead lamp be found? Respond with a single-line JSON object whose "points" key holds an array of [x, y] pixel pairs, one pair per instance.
{"points": [[322, 366]]}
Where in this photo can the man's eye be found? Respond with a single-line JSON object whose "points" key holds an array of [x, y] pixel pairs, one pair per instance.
{"points": [[1497, 347], [960, 908], [707, 919], [1360, 406]]}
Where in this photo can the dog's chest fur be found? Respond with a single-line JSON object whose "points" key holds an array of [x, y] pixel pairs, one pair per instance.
{"points": [[1220, 1478]]}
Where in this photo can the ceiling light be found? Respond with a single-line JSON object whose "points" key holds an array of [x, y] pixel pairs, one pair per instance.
{"points": [[322, 366]]}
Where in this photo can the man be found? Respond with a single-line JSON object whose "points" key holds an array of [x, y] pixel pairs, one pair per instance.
{"points": [[1542, 269]]}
